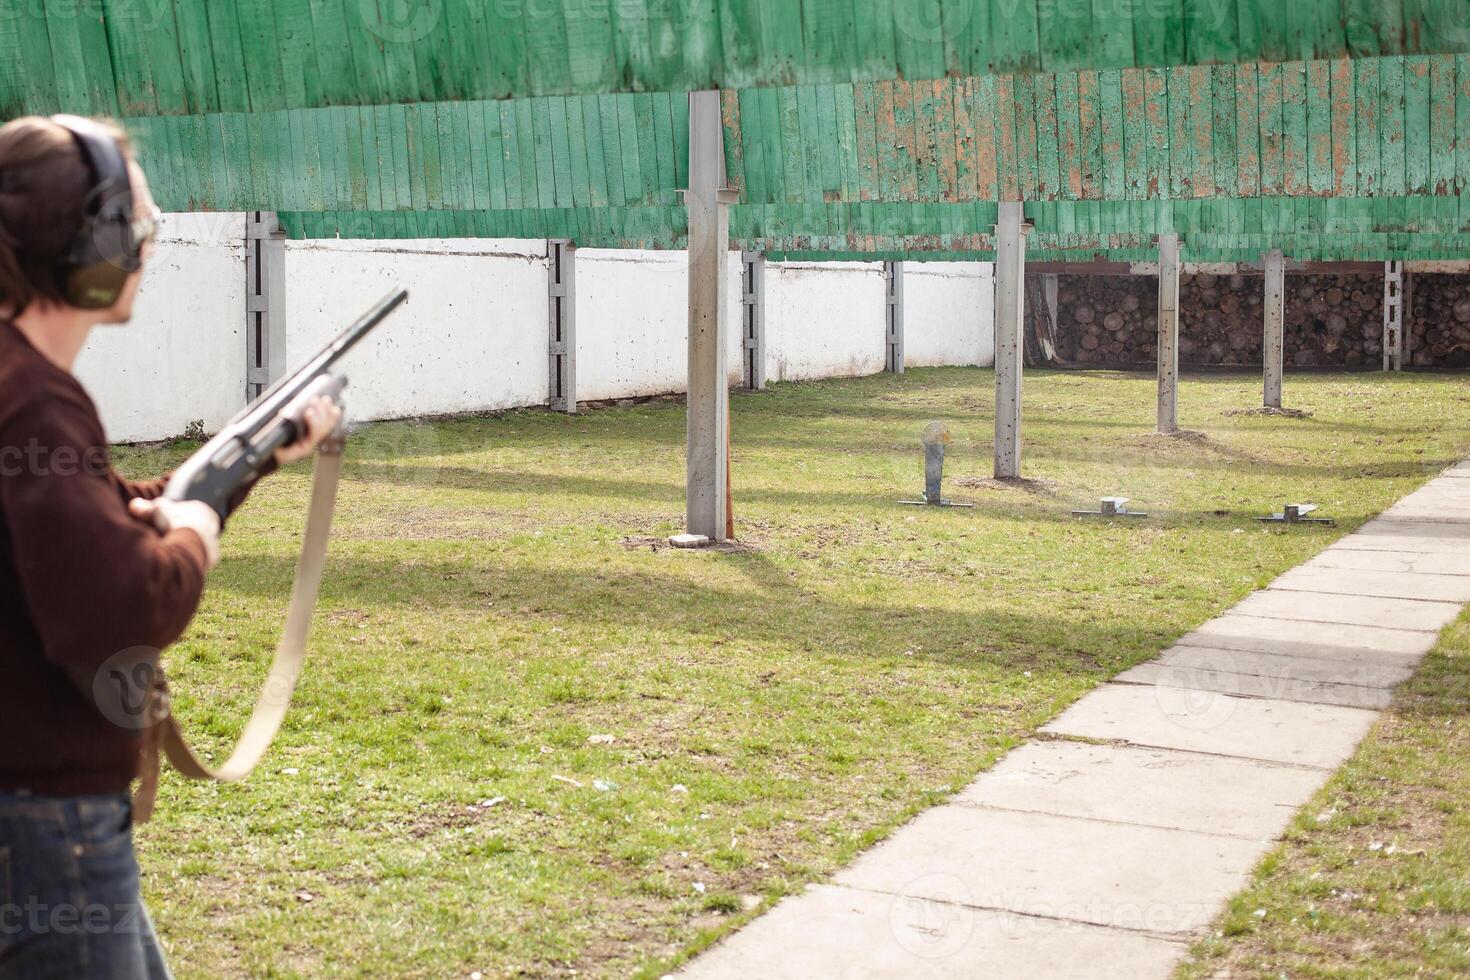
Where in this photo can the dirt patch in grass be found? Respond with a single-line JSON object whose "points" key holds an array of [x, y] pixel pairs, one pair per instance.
{"points": [[1036, 488], [645, 542], [1284, 413]]}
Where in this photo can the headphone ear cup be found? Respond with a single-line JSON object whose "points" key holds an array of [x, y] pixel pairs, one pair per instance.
{"points": [[96, 286], [100, 264]]}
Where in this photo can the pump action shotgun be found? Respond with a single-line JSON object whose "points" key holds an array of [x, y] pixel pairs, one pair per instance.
{"points": [[241, 451]]}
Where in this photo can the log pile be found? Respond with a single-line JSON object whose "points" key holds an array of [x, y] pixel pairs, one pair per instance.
{"points": [[1331, 320], [1440, 321]]}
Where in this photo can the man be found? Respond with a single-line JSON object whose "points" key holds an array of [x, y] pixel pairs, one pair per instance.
{"points": [[91, 565]]}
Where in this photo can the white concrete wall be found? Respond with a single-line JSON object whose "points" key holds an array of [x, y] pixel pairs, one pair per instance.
{"points": [[183, 356], [824, 320], [473, 335], [949, 314]]}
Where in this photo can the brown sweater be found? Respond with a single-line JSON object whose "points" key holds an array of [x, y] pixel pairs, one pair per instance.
{"points": [[81, 580]]}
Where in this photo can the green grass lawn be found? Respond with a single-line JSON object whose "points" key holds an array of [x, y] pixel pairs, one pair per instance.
{"points": [[533, 741], [1373, 879]]}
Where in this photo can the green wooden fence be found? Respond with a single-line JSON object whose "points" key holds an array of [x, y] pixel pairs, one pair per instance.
{"points": [[872, 128], [187, 57]]}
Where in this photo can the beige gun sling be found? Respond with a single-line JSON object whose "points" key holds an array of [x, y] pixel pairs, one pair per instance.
{"points": [[275, 695]]}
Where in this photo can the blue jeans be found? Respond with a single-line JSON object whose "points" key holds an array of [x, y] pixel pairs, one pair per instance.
{"points": [[70, 905]]}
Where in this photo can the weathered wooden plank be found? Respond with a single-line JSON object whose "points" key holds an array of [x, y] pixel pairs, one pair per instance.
{"points": [[1181, 134], [1462, 123], [1416, 125], [1113, 160], [1392, 153], [1006, 149], [1201, 140], [1027, 136], [1442, 113], [1089, 115], [987, 138], [1368, 113], [1344, 130], [1270, 99], [1294, 126], [1319, 128], [1058, 139], [1136, 141]]}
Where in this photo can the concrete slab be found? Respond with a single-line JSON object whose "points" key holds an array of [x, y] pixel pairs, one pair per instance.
{"points": [[1344, 556], [1386, 585], [833, 933], [1241, 632], [1150, 787], [1355, 668], [1423, 537], [1280, 687], [1322, 607], [1118, 875], [1318, 735], [1431, 509]]}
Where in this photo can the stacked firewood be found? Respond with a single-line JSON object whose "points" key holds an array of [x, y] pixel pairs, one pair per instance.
{"points": [[1331, 320], [1440, 321]]}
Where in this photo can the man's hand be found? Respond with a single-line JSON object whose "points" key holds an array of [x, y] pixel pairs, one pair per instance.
{"points": [[170, 515], [322, 418]]}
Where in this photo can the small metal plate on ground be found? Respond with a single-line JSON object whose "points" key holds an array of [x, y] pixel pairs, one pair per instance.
{"points": [[690, 541], [1296, 514], [942, 502], [1110, 507]]}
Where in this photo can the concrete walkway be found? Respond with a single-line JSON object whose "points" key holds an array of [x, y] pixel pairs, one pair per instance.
{"points": [[1103, 848]]}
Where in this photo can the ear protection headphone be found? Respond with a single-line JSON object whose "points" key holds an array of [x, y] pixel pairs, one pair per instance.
{"points": [[106, 249]]}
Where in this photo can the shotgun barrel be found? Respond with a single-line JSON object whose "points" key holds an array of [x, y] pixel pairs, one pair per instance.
{"points": [[239, 454]]}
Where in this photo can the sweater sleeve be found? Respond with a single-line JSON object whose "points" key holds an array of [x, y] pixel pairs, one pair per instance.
{"points": [[96, 580], [153, 489]]}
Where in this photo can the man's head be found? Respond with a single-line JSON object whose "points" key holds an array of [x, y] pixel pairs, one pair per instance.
{"points": [[76, 218]]}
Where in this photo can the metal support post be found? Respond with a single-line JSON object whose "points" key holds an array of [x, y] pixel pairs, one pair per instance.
{"points": [[753, 319], [1010, 311], [1169, 332], [708, 427], [1274, 347], [893, 304], [265, 302], [1393, 316], [562, 325]]}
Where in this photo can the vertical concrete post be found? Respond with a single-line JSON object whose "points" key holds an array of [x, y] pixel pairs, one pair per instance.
{"points": [[753, 319], [893, 317], [562, 326], [265, 302], [708, 427], [1010, 309], [1169, 332], [1275, 326], [1393, 316]]}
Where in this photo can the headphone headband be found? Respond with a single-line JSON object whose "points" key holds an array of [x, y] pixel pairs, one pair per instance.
{"points": [[104, 252]]}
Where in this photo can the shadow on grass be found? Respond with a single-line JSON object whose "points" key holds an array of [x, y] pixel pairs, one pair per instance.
{"points": [[774, 610]]}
